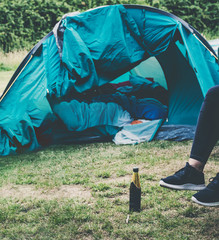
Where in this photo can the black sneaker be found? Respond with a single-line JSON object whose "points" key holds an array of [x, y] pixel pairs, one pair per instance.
{"points": [[210, 195], [187, 178]]}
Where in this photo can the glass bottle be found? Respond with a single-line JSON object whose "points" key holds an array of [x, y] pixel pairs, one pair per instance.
{"points": [[135, 192]]}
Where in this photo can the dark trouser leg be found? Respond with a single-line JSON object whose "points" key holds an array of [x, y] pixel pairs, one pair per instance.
{"points": [[207, 130]]}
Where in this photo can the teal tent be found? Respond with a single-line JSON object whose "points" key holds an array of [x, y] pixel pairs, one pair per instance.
{"points": [[66, 89]]}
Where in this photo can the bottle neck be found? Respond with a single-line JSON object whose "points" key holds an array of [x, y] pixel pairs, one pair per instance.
{"points": [[136, 179]]}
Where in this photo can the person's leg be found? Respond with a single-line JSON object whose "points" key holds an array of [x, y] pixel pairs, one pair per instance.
{"points": [[207, 133], [207, 130], [196, 164]]}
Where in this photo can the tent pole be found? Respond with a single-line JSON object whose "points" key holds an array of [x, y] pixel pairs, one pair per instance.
{"points": [[205, 47]]}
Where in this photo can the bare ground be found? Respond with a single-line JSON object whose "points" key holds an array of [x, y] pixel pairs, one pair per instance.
{"points": [[28, 191]]}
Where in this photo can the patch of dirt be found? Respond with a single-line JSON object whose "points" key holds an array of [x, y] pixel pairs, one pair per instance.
{"points": [[28, 191]]}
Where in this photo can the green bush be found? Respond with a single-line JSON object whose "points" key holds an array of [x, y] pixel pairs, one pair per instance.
{"points": [[24, 22], [201, 14]]}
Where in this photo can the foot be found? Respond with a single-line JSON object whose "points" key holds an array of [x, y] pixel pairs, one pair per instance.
{"points": [[187, 178], [210, 195]]}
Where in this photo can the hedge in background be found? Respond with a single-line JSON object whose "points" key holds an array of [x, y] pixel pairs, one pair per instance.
{"points": [[24, 22], [201, 14]]}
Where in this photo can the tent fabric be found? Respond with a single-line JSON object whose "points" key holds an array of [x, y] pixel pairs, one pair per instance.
{"points": [[184, 91], [199, 62], [93, 54], [137, 133], [98, 50], [175, 132], [160, 38], [80, 116], [16, 124], [151, 68]]}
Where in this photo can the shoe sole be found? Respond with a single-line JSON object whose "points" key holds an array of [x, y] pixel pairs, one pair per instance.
{"points": [[213, 204], [187, 186]]}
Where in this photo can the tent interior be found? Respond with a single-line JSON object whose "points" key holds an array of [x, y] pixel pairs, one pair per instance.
{"points": [[84, 82]]}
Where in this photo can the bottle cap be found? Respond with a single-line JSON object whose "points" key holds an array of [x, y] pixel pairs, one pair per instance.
{"points": [[135, 169]]}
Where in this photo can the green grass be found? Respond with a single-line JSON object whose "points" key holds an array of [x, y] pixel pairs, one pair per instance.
{"points": [[8, 64], [10, 61], [4, 79], [82, 192]]}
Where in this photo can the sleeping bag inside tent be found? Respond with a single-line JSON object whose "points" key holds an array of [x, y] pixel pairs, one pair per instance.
{"points": [[125, 73]]}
